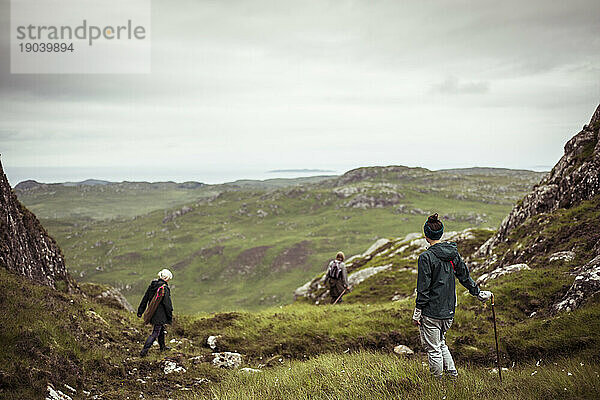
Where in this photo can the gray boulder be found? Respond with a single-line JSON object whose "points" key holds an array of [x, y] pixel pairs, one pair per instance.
{"points": [[227, 359]]}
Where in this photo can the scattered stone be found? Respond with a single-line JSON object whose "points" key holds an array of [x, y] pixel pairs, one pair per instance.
{"points": [[250, 370], [567, 256], [398, 297], [212, 341], [171, 366], [509, 269], [95, 316], [55, 394], [70, 388], [227, 360], [495, 370], [200, 381], [403, 350]]}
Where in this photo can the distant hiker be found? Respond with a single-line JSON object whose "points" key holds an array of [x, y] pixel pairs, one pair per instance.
{"points": [[436, 295], [160, 310], [337, 277]]}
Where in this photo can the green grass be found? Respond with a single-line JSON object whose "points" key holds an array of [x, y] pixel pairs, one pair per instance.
{"points": [[372, 375], [130, 199], [305, 225], [54, 338]]}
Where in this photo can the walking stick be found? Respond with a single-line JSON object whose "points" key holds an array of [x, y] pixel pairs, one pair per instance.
{"points": [[339, 297], [496, 337]]}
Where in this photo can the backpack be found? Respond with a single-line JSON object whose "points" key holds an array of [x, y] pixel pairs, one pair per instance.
{"points": [[153, 304], [334, 271]]}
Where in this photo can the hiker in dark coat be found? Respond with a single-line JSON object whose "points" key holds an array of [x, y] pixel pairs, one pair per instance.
{"points": [[337, 277], [164, 310], [436, 296]]}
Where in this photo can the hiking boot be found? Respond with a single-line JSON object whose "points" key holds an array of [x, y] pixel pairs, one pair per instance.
{"points": [[144, 352], [166, 348], [452, 375]]}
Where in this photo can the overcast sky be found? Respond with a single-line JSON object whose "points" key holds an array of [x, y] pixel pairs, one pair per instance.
{"points": [[242, 87]]}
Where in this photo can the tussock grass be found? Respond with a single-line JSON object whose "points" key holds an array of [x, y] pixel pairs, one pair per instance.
{"points": [[369, 375]]}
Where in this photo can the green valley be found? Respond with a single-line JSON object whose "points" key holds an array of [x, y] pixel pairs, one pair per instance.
{"points": [[247, 245]]}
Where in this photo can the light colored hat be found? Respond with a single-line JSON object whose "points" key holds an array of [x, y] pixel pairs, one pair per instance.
{"points": [[340, 256], [165, 274]]}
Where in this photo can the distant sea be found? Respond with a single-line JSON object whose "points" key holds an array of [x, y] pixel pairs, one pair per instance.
{"points": [[184, 174]]}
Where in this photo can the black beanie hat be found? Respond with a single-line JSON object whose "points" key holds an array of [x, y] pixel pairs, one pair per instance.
{"points": [[430, 233]]}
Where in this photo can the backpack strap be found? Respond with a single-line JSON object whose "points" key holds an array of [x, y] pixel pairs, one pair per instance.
{"points": [[160, 292]]}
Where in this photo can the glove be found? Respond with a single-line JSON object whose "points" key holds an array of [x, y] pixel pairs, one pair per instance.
{"points": [[139, 315], [484, 295], [417, 316]]}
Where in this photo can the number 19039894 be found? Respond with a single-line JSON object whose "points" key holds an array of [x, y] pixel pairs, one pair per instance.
{"points": [[46, 47]]}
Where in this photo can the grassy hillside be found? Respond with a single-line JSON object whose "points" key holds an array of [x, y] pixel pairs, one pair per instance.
{"points": [[302, 350], [248, 247], [107, 200]]}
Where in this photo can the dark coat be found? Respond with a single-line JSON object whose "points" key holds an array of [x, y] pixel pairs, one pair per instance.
{"points": [[164, 312], [436, 291], [339, 283]]}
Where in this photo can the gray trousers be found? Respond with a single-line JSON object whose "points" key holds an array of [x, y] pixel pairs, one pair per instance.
{"points": [[433, 338]]}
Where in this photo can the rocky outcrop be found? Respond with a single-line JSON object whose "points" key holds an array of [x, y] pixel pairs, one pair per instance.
{"points": [[106, 295], [381, 252], [29, 185], [498, 272], [25, 246], [587, 283], [176, 214], [310, 288], [574, 178], [365, 273], [364, 201]]}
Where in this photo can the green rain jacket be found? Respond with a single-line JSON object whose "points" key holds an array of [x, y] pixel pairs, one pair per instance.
{"points": [[436, 291]]}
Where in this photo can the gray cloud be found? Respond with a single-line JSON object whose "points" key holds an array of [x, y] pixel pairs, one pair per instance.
{"points": [[452, 85], [278, 84]]}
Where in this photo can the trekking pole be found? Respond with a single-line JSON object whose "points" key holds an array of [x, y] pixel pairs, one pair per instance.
{"points": [[339, 297], [496, 337]]}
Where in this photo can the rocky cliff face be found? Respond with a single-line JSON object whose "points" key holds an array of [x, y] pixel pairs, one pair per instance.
{"points": [[573, 181], [574, 178], [25, 246]]}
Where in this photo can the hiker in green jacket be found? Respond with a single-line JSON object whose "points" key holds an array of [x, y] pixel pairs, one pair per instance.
{"points": [[436, 295], [158, 296], [337, 277]]}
